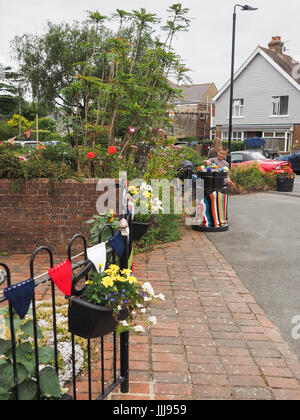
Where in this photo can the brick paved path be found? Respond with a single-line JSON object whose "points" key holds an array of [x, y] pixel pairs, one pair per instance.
{"points": [[212, 340]]}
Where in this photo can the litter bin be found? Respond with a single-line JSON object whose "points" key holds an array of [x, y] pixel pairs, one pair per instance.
{"points": [[212, 210]]}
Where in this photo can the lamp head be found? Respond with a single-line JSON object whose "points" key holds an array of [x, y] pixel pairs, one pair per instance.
{"points": [[249, 8]]}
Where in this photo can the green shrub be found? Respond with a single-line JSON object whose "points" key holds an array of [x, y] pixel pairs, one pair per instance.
{"points": [[44, 124], [251, 178], [166, 228], [6, 132]]}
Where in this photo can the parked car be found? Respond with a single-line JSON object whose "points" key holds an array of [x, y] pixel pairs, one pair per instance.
{"points": [[31, 143], [293, 159], [246, 157]]}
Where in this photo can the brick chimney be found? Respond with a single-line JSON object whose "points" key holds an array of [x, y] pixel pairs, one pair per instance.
{"points": [[276, 45]]}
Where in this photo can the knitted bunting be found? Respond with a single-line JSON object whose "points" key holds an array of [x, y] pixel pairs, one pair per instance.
{"points": [[116, 242], [20, 296], [61, 275], [97, 255]]}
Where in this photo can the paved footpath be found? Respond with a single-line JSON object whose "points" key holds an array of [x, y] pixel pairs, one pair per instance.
{"points": [[211, 341]]}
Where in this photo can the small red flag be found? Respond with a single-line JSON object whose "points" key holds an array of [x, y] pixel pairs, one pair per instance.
{"points": [[28, 134], [61, 275]]}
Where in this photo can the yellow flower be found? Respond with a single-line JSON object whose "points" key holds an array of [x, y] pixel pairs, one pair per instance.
{"points": [[107, 282], [88, 282], [114, 268], [146, 194], [120, 278], [132, 190], [112, 216], [132, 280], [126, 272], [100, 266]]}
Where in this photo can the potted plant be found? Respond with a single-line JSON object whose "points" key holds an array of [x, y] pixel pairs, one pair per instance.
{"points": [[110, 300], [147, 204], [285, 181]]}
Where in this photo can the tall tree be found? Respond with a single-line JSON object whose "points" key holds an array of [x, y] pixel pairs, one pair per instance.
{"points": [[106, 81]]}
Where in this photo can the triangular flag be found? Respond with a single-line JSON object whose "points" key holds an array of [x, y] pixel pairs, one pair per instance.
{"points": [[28, 133], [116, 242], [61, 275], [97, 254], [20, 296], [12, 140]]}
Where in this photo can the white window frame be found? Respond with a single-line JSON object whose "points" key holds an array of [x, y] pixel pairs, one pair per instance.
{"points": [[236, 136], [238, 108], [276, 105]]}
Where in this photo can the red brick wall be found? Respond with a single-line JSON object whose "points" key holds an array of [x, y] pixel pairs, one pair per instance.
{"points": [[296, 135], [32, 216]]}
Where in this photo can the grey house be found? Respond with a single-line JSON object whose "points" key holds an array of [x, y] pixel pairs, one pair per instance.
{"points": [[266, 99]]}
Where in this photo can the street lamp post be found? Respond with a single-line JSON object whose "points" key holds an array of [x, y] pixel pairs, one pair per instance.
{"points": [[245, 8]]}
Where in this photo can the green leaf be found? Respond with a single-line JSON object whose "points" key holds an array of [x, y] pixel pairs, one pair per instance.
{"points": [[6, 376], [5, 345], [4, 395], [28, 329], [46, 355], [27, 390], [90, 221], [21, 373], [49, 382]]}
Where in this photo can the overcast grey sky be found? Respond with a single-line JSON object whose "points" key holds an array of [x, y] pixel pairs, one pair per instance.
{"points": [[206, 48]]}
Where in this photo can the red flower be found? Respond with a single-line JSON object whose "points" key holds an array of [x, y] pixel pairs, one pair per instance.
{"points": [[112, 150], [91, 155]]}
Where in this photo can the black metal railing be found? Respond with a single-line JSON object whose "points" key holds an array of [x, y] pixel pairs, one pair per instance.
{"points": [[119, 376]]}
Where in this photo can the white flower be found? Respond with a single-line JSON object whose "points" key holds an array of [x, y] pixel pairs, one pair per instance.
{"points": [[152, 319], [119, 308], [124, 323], [160, 296], [147, 299], [139, 328], [145, 187], [147, 287], [143, 310]]}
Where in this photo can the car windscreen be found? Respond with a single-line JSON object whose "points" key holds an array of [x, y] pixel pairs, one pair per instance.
{"points": [[257, 156]]}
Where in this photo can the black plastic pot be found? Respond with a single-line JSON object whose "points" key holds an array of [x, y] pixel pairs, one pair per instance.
{"points": [[285, 184], [139, 229], [92, 321]]}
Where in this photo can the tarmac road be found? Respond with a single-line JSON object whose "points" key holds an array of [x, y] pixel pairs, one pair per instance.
{"points": [[263, 246]]}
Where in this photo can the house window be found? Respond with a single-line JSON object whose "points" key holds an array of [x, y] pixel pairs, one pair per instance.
{"points": [[280, 105], [236, 136], [238, 108]]}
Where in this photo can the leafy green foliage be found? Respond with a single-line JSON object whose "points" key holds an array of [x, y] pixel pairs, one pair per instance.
{"points": [[106, 81], [26, 374], [97, 223], [251, 178]]}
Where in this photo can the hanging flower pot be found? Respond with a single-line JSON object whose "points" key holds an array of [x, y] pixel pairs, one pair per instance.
{"points": [[92, 321], [111, 300]]}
